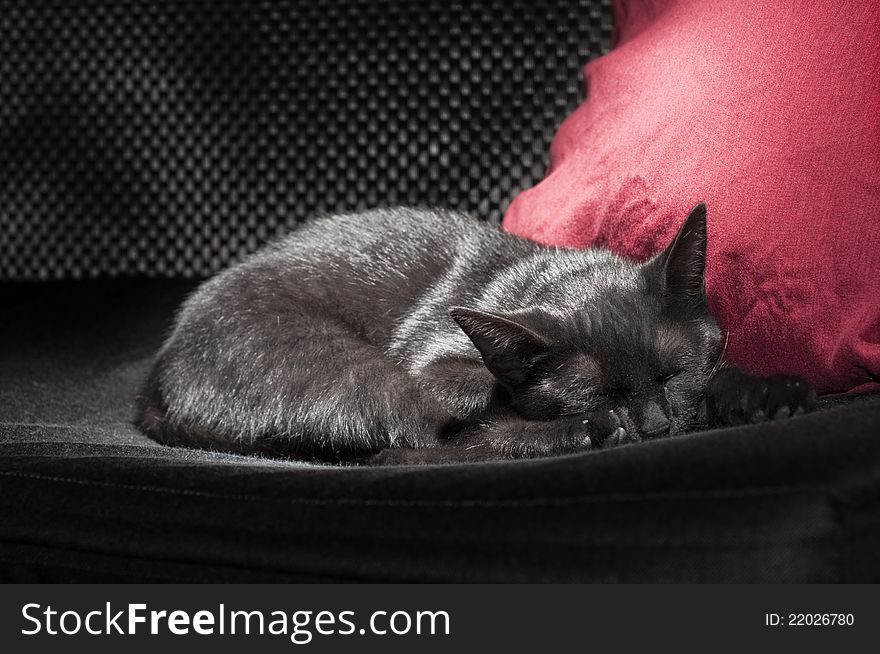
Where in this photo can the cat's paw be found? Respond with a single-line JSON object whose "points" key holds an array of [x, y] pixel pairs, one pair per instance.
{"points": [[607, 429], [743, 398]]}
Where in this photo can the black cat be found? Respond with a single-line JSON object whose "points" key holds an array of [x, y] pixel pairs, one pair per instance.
{"points": [[408, 335]]}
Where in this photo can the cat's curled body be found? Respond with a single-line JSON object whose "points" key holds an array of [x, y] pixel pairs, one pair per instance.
{"points": [[424, 335]]}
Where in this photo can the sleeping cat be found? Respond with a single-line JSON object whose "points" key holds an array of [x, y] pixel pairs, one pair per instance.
{"points": [[410, 335]]}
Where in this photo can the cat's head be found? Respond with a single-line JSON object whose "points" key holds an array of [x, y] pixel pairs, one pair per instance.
{"points": [[645, 344]]}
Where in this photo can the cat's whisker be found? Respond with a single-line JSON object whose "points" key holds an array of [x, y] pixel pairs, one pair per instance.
{"points": [[720, 361]]}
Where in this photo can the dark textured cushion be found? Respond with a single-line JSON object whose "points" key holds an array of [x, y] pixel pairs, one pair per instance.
{"points": [[86, 497]]}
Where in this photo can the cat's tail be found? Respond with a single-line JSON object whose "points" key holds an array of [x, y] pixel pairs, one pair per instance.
{"points": [[363, 409]]}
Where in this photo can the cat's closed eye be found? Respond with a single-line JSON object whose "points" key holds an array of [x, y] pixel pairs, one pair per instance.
{"points": [[617, 393]]}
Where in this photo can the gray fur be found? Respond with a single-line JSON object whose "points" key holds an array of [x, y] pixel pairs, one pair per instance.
{"points": [[405, 330]]}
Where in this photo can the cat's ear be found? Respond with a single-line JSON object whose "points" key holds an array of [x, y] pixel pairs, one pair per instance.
{"points": [[507, 346], [680, 269]]}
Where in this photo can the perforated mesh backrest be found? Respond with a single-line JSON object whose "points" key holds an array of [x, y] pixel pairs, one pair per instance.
{"points": [[170, 138]]}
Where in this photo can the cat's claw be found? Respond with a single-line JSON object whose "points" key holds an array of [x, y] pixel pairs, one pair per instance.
{"points": [[608, 430], [740, 398], [780, 397], [617, 438]]}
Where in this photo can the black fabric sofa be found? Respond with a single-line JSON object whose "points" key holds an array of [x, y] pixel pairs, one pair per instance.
{"points": [[145, 145]]}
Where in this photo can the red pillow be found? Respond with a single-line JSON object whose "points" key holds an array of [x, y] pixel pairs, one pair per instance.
{"points": [[768, 112]]}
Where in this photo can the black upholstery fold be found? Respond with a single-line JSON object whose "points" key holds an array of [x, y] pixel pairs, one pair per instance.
{"points": [[85, 496]]}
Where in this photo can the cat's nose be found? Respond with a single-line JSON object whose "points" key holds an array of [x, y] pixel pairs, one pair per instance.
{"points": [[654, 420]]}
